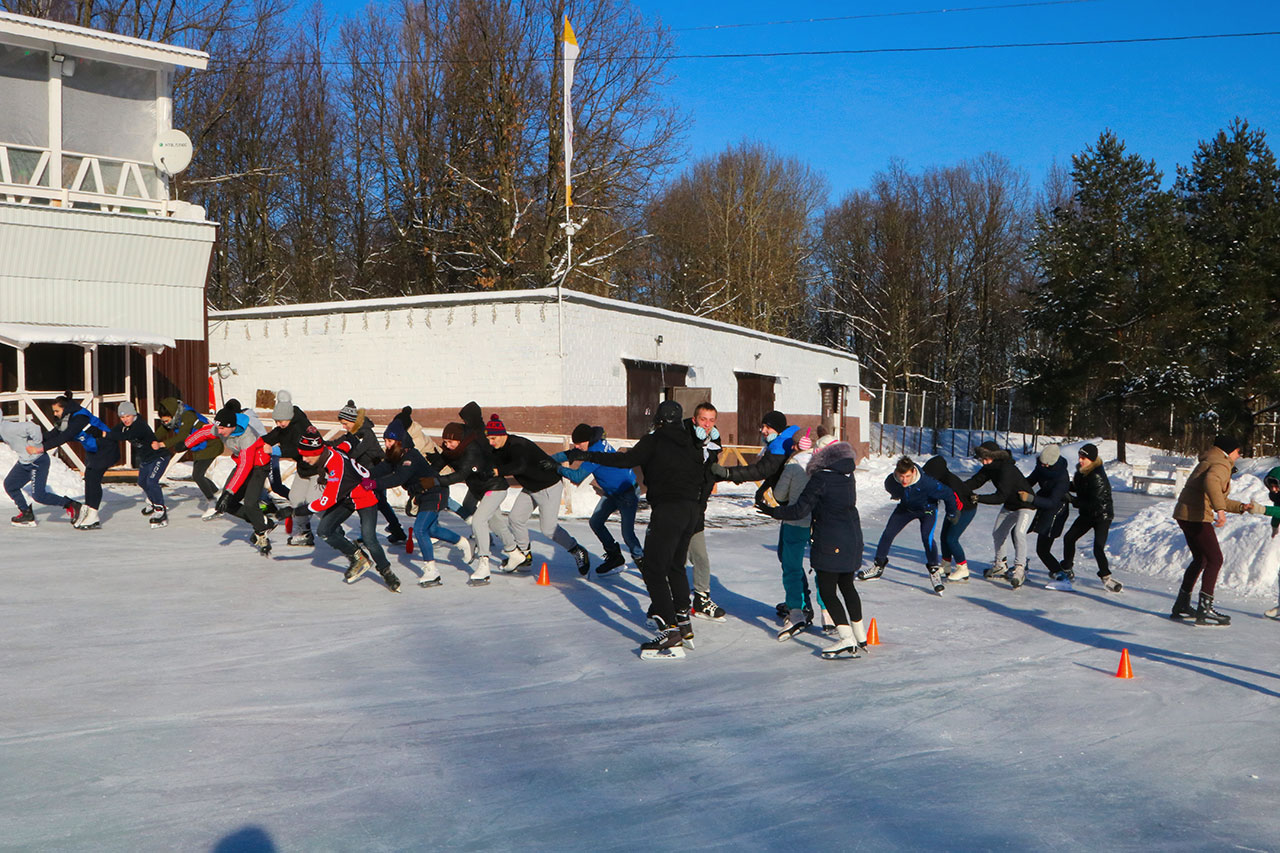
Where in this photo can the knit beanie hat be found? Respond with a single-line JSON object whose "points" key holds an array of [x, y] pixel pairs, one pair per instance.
{"points": [[1051, 454], [126, 409], [986, 450], [348, 412], [805, 442], [395, 431], [226, 416], [495, 426], [824, 441], [582, 432], [669, 412], [310, 443], [774, 420], [284, 407], [1090, 452], [1226, 444], [453, 431]]}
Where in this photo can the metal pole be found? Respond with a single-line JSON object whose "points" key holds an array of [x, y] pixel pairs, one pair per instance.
{"points": [[953, 423]]}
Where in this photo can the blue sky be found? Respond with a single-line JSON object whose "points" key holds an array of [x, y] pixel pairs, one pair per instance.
{"points": [[849, 115]]}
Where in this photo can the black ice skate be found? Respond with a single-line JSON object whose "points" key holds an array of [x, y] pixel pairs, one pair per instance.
{"points": [[1207, 616], [613, 559], [876, 570], [26, 518], [667, 645], [580, 557]]}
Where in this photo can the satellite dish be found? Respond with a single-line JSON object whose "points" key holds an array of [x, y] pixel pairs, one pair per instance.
{"points": [[171, 152]]}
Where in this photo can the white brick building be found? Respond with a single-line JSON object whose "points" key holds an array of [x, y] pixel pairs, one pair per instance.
{"points": [[503, 350]]}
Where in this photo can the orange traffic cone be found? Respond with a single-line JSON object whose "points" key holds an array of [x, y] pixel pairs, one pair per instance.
{"points": [[873, 633], [1124, 671], [408, 543], [543, 578]]}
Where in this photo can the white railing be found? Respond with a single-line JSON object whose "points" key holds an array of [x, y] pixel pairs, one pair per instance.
{"points": [[86, 189]]}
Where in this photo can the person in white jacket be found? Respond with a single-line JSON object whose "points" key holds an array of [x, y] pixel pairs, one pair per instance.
{"points": [[21, 435]]}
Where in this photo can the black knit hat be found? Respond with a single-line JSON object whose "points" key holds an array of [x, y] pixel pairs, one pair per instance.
{"points": [[1226, 444], [226, 416], [310, 443], [582, 432], [669, 412], [774, 420], [1089, 451]]}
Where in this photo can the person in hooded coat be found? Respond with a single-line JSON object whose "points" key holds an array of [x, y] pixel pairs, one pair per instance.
{"points": [[77, 423], [955, 567], [177, 422], [1092, 492], [831, 499], [1053, 482]]}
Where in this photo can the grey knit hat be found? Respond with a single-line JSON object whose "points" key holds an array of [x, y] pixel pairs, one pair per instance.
{"points": [[1051, 454], [284, 407], [126, 409], [348, 412]]}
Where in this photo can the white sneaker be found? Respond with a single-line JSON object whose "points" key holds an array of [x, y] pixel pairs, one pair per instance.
{"points": [[210, 514], [468, 553]]}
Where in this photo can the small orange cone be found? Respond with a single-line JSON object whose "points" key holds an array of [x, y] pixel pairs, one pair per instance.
{"points": [[543, 578], [873, 633], [408, 543], [1124, 671]]}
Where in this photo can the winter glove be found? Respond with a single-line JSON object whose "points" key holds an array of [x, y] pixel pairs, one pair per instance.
{"points": [[224, 501], [275, 451], [719, 471], [369, 484], [573, 454], [427, 483]]}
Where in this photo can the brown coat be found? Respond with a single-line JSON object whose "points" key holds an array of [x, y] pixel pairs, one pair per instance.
{"points": [[1206, 489]]}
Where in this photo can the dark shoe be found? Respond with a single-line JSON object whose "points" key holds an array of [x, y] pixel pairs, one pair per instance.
{"points": [[580, 557], [1182, 608], [1206, 615], [395, 537], [26, 518], [612, 560]]}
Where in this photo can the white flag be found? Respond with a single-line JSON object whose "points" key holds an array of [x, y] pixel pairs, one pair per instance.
{"points": [[570, 57]]}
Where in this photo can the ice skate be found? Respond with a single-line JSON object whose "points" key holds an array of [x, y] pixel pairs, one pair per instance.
{"points": [[360, 563], [26, 518], [430, 575], [468, 553], [705, 608], [935, 578], [1110, 584], [1061, 582], [88, 520], [860, 636], [685, 624], [844, 646], [72, 509], [1273, 613], [580, 557], [515, 558], [959, 573], [666, 645], [262, 543], [479, 572], [795, 624], [390, 579], [876, 570], [1206, 616], [304, 539], [1018, 576], [148, 509], [159, 518], [210, 514], [999, 569], [613, 559], [395, 537]]}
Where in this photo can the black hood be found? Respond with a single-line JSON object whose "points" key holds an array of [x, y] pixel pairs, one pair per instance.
{"points": [[937, 469], [472, 417]]}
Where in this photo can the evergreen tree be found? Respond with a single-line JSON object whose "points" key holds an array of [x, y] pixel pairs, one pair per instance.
{"points": [[1230, 199], [1101, 313]]}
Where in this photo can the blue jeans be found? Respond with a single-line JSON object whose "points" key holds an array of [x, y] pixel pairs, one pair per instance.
{"points": [[427, 526], [24, 472], [930, 523], [624, 503], [951, 547], [149, 479]]}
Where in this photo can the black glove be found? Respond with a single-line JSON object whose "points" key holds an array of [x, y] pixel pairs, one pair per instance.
{"points": [[719, 471], [573, 454], [224, 501]]}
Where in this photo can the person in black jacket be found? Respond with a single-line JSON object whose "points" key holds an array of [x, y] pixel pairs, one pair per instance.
{"points": [[836, 530], [468, 453], [540, 485], [76, 423], [150, 460], [918, 496], [672, 463], [361, 445], [291, 423], [421, 480], [1015, 513], [954, 565], [1093, 503], [1053, 481]]}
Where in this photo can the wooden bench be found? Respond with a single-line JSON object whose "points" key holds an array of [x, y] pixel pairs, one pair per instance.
{"points": [[1169, 471]]}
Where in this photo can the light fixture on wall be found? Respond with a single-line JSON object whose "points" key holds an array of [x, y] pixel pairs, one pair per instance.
{"points": [[57, 57], [658, 339], [758, 355]]}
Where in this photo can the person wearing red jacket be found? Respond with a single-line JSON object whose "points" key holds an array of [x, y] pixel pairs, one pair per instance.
{"points": [[348, 488], [253, 463]]}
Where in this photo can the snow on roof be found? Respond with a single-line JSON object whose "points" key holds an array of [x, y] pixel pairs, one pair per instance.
{"points": [[67, 37], [23, 335]]}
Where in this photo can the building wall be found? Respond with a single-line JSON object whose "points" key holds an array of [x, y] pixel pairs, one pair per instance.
{"points": [[504, 354], [73, 267]]}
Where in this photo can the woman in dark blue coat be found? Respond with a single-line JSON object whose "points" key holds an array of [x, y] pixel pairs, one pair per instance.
{"points": [[836, 540]]}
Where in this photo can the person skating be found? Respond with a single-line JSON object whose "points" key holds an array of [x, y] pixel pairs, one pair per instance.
{"points": [[671, 460], [1095, 511], [360, 443], [1015, 513], [918, 496], [793, 538], [1053, 483], [779, 445], [177, 422], [1203, 505], [411, 470], [836, 550], [31, 467], [241, 494], [290, 425], [702, 426], [617, 490], [348, 489], [955, 567], [76, 423], [540, 486], [149, 455], [467, 452], [1272, 482]]}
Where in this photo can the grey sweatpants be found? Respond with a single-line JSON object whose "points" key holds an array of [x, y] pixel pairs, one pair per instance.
{"points": [[303, 491], [488, 518], [701, 563], [548, 503], [1017, 522]]}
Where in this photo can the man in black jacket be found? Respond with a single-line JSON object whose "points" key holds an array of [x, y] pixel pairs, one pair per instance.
{"points": [[1015, 513], [674, 474], [291, 422], [540, 486]]}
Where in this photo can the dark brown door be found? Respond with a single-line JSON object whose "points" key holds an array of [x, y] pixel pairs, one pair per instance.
{"points": [[833, 397], [755, 398], [645, 383]]}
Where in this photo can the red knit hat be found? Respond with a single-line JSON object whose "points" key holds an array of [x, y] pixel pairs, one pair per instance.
{"points": [[494, 426]]}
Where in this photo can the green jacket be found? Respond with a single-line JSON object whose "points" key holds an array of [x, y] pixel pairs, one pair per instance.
{"points": [[182, 426]]}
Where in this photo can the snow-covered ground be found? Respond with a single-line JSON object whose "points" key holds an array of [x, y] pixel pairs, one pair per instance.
{"points": [[171, 690]]}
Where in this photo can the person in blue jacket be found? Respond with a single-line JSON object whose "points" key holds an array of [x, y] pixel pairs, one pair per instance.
{"points": [[779, 445], [149, 459], [76, 423], [617, 488], [1053, 481], [918, 496]]}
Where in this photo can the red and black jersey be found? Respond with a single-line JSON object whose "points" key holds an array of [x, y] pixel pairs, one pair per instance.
{"points": [[342, 478]]}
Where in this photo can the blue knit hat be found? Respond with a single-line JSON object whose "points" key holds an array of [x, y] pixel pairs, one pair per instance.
{"points": [[395, 431]]}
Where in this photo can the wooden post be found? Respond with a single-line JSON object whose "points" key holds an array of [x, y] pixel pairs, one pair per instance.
{"points": [[22, 382]]}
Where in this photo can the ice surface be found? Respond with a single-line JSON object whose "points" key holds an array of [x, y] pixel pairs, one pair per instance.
{"points": [[172, 690]]}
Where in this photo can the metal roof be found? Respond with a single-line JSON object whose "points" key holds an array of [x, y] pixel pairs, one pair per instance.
{"points": [[67, 37], [23, 335]]}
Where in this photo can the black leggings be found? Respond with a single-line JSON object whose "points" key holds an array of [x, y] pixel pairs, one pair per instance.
{"points": [[1082, 525], [828, 583], [200, 474]]}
